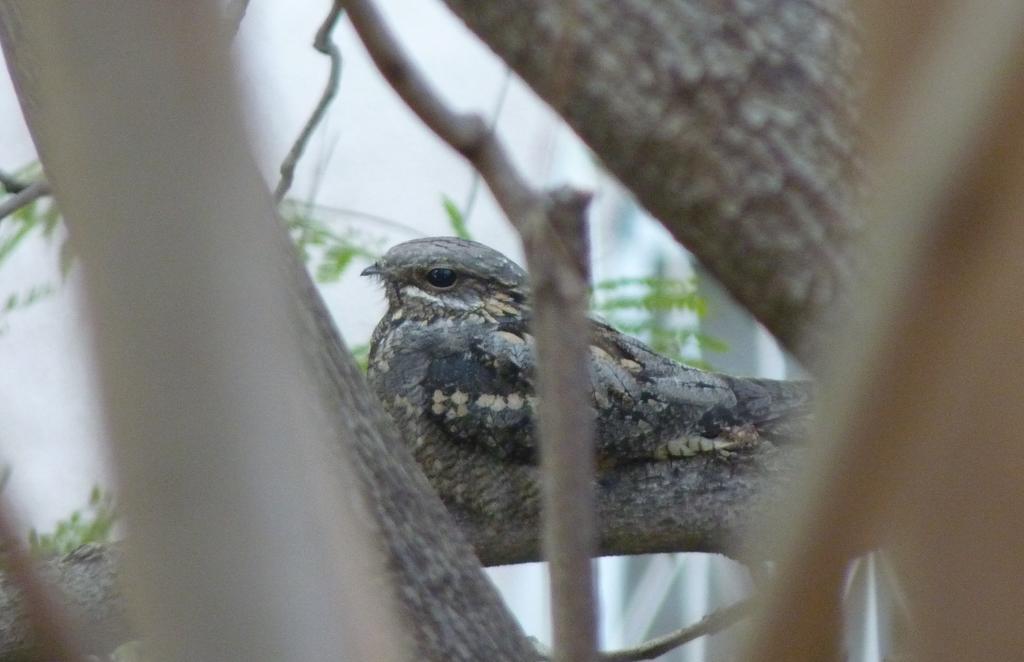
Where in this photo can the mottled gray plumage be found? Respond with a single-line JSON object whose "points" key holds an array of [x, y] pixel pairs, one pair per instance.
{"points": [[454, 366]]}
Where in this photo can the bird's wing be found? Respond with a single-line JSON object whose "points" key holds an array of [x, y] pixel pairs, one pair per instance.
{"points": [[647, 406], [482, 393]]}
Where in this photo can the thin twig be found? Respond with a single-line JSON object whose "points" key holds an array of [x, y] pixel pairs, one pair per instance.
{"points": [[552, 228], [499, 105], [54, 636], [24, 197], [710, 624], [465, 133], [11, 183], [325, 45]]}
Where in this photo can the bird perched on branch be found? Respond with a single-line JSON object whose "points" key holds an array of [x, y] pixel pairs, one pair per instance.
{"points": [[453, 361]]}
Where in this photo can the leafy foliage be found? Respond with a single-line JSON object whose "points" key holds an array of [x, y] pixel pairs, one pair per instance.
{"points": [[361, 353], [94, 524], [329, 252], [661, 311], [455, 218], [41, 219]]}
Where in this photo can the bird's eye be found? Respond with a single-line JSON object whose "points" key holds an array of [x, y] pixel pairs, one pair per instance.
{"points": [[441, 278]]}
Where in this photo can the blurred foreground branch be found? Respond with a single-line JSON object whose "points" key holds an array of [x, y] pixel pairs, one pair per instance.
{"points": [[732, 124], [925, 415]]}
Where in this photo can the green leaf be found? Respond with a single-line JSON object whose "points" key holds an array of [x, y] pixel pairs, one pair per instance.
{"points": [[361, 353], [644, 306], [455, 218], [94, 524]]}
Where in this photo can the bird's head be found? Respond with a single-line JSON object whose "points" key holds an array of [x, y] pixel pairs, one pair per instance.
{"points": [[449, 277]]}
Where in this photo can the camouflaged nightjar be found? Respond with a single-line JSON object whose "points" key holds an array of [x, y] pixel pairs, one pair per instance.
{"points": [[452, 361]]}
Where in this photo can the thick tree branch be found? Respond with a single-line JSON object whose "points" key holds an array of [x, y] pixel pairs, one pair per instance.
{"points": [[731, 123], [700, 504], [553, 230]]}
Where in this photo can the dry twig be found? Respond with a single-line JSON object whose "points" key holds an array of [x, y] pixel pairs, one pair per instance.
{"points": [[551, 226], [325, 45], [25, 196], [714, 622], [499, 105]]}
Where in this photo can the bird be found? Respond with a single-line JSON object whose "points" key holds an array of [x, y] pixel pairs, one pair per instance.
{"points": [[453, 361]]}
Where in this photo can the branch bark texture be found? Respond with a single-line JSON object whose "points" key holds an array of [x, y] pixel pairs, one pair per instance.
{"points": [[731, 122], [88, 581], [702, 505]]}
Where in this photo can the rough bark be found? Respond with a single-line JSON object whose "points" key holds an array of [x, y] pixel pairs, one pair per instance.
{"points": [[448, 606], [701, 505], [453, 609], [704, 504], [731, 122], [87, 580]]}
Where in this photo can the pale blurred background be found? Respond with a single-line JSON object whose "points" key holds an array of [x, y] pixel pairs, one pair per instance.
{"points": [[371, 156]]}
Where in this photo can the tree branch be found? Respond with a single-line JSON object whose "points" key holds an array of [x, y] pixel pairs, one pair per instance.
{"points": [[492, 124], [467, 134], [11, 183], [701, 504], [710, 624], [24, 197], [324, 44], [698, 504], [731, 122]]}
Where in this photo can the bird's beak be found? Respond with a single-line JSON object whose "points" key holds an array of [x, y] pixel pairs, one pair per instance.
{"points": [[372, 270]]}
